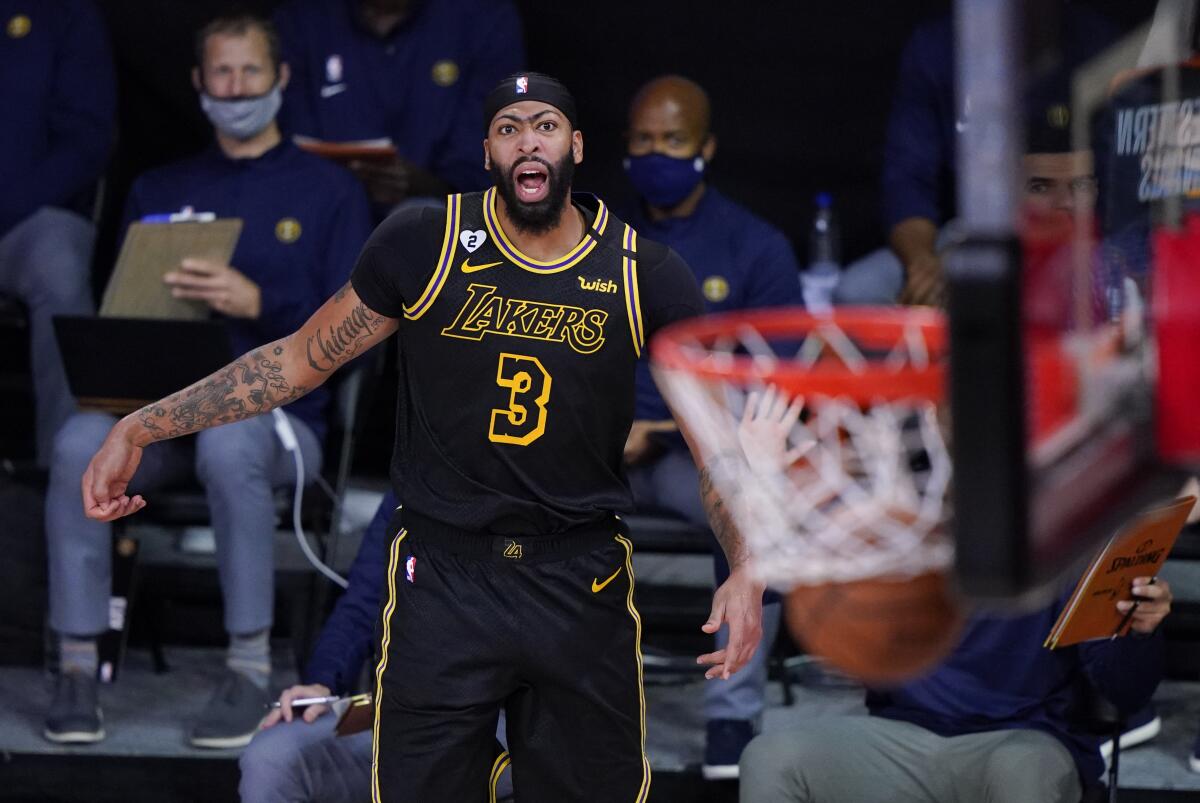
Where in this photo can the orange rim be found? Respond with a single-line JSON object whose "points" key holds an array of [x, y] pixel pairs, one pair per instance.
{"points": [[687, 346]]}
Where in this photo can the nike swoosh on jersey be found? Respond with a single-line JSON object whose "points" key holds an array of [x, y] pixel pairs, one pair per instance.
{"points": [[467, 267], [330, 90], [597, 586]]}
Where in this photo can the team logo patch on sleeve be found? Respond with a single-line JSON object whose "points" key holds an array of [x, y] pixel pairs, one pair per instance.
{"points": [[715, 289], [287, 230], [19, 26], [445, 72], [410, 568]]}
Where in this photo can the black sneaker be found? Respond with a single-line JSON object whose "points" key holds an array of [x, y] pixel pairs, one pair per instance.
{"points": [[231, 717], [75, 716], [725, 739]]}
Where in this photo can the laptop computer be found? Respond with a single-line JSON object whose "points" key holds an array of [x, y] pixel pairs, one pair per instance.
{"points": [[121, 364]]}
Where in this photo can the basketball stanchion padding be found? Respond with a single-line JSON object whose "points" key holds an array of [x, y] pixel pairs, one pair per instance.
{"points": [[1176, 320], [843, 505]]}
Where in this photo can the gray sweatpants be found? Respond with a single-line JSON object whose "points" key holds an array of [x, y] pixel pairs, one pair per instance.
{"points": [[45, 260], [299, 762], [876, 760], [238, 465]]}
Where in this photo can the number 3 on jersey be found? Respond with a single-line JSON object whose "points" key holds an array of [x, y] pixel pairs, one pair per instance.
{"points": [[528, 383]]}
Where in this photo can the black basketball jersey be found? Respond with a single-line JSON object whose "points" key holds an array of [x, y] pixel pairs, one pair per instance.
{"points": [[517, 375]]}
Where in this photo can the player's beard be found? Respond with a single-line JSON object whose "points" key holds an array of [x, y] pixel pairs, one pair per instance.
{"points": [[540, 216]]}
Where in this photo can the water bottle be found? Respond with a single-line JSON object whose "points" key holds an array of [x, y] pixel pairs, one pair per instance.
{"points": [[820, 279]]}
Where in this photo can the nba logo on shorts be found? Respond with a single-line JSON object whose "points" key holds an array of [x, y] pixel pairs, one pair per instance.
{"points": [[410, 567], [523, 85]]}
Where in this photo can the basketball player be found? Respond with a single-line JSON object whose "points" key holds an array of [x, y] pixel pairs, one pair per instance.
{"points": [[520, 312]]}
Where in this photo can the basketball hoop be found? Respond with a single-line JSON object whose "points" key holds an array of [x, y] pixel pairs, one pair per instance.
{"points": [[863, 492], [822, 437]]}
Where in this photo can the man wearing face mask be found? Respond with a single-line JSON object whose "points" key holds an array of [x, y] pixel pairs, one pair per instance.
{"points": [[740, 262], [412, 71], [304, 220]]}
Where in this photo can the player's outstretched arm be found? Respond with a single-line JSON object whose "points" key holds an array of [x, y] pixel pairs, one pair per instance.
{"points": [[257, 382]]}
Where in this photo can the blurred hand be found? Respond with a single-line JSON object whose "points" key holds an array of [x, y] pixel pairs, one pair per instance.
{"points": [[387, 183], [222, 287], [284, 711], [108, 476], [763, 432], [925, 284], [1152, 607], [737, 602], [640, 444]]}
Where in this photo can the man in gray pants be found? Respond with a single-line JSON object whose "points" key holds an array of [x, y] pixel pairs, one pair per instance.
{"points": [[992, 724], [55, 136], [303, 222], [298, 756]]}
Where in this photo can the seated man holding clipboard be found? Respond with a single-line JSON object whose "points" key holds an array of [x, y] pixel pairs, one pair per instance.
{"points": [[303, 221], [998, 719]]}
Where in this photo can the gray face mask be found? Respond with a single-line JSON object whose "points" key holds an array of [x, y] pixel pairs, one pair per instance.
{"points": [[242, 118]]}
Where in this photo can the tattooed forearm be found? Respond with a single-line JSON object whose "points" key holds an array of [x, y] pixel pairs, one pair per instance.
{"points": [[720, 517], [339, 344], [251, 385]]}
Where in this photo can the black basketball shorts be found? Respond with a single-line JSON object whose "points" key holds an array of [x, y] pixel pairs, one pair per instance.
{"points": [[543, 627]]}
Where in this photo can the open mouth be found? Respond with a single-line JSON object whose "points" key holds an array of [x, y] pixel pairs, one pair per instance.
{"points": [[531, 179]]}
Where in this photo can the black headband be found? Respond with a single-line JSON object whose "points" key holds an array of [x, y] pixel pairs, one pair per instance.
{"points": [[529, 86]]}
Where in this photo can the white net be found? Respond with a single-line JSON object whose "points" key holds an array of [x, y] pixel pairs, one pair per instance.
{"points": [[824, 488]]}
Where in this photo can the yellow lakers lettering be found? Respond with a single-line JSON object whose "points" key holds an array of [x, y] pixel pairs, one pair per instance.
{"points": [[487, 313]]}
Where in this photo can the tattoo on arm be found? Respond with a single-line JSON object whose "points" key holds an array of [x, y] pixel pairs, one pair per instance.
{"points": [[720, 517], [329, 350], [250, 385]]}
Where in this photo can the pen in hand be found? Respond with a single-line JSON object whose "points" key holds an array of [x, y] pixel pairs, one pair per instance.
{"points": [[301, 702], [1129, 613]]}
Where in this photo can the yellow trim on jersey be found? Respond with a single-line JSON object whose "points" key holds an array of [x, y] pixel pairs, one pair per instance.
{"points": [[572, 258], [393, 558], [644, 791], [633, 301], [445, 261], [498, 767]]}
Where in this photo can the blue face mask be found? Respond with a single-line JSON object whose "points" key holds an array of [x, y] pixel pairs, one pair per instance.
{"points": [[663, 181]]}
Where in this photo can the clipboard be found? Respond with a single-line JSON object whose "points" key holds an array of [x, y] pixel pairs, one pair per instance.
{"points": [[1137, 550], [136, 289], [367, 150]]}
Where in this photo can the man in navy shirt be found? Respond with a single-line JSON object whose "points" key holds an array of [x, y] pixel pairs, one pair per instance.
{"points": [[412, 71], [55, 136], [996, 715], [304, 220], [298, 755], [740, 262]]}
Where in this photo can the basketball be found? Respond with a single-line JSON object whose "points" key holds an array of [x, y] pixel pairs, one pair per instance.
{"points": [[880, 631]]}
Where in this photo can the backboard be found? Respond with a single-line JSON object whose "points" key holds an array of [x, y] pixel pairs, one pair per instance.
{"points": [[1069, 298]]}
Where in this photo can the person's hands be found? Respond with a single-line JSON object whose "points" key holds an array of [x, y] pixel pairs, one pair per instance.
{"points": [[284, 711], [640, 443], [1152, 605], [108, 476], [763, 432], [222, 287], [925, 284], [737, 602], [387, 183]]}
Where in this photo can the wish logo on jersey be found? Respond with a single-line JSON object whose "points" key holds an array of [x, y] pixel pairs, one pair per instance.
{"points": [[486, 313]]}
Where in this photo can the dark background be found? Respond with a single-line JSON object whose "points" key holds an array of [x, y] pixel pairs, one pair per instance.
{"points": [[800, 90]]}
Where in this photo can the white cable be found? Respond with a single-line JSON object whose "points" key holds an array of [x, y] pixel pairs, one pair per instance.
{"points": [[287, 436]]}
